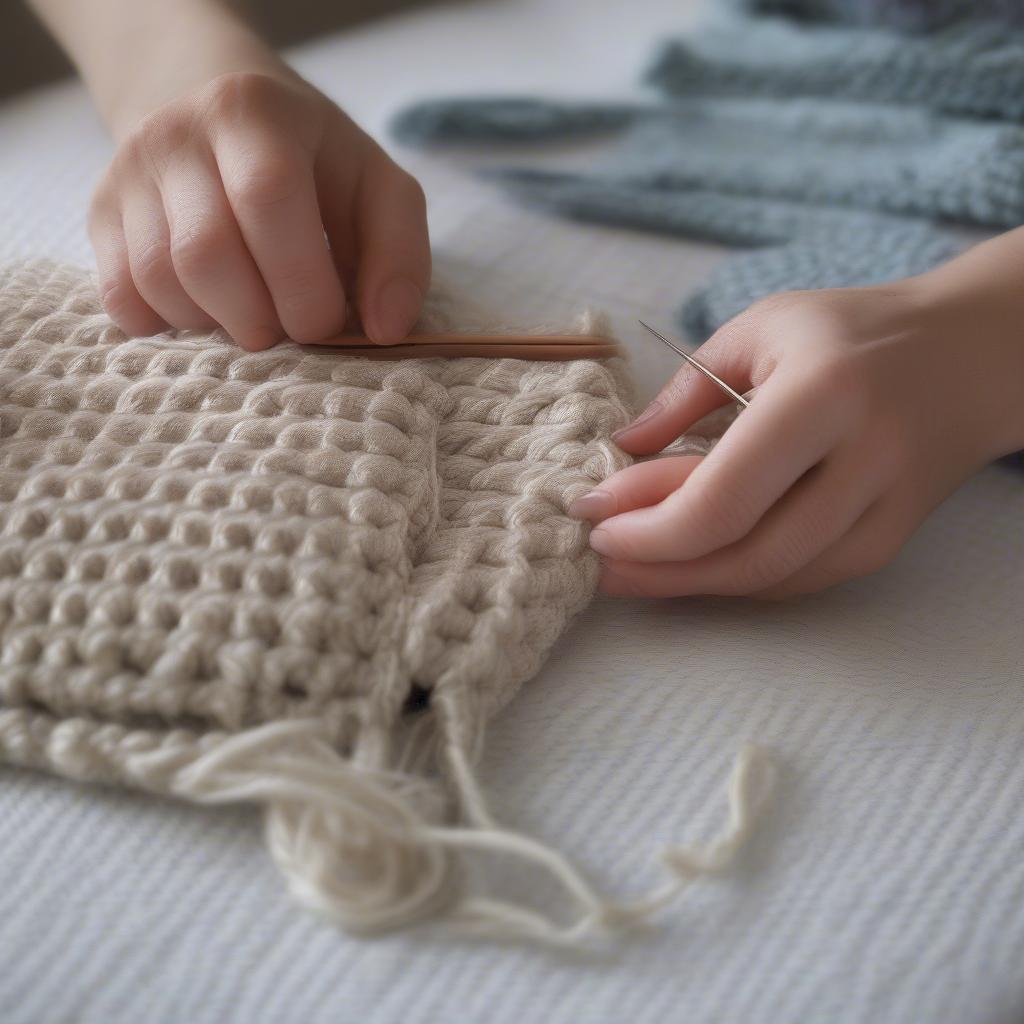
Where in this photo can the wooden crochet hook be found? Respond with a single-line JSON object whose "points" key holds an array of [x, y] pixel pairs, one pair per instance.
{"points": [[491, 346]]}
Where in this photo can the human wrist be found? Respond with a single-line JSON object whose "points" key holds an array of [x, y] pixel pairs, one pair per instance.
{"points": [[137, 55], [204, 43], [973, 312]]}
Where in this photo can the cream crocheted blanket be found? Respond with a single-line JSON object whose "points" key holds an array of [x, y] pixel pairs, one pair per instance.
{"points": [[295, 578]]}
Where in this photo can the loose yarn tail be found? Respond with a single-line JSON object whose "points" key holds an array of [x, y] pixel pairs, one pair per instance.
{"points": [[372, 849], [751, 786], [368, 849], [352, 842]]}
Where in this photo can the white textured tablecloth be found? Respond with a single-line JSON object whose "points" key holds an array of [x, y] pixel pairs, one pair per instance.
{"points": [[887, 887]]}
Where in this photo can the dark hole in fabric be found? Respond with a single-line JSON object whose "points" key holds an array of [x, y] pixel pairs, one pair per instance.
{"points": [[417, 701]]}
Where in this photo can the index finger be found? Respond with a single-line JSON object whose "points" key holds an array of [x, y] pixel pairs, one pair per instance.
{"points": [[690, 395], [787, 429]]}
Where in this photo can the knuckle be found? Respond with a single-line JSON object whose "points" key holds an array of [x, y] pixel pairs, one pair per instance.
{"points": [[117, 295], [265, 183], [236, 91], [724, 513], [151, 264], [764, 567], [797, 305], [769, 318], [787, 322], [732, 351], [266, 104], [135, 148], [122, 304], [769, 306], [195, 249], [155, 136], [864, 559]]}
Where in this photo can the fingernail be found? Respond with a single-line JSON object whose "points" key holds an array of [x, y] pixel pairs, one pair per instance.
{"points": [[593, 505], [394, 312], [648, 414], [601, 542]]}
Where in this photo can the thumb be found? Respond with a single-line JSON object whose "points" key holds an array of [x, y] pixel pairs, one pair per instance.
{"points": [[375, 216]]}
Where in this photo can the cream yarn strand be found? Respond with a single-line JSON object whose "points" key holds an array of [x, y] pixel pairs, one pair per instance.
{"points": [[354, 850]]}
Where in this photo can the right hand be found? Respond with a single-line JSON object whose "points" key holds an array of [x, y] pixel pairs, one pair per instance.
{"points": [[872, 406], [214, 213]]}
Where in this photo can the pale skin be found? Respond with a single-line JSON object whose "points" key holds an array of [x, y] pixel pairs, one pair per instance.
{"points": [[872, 405], [230, 169]]}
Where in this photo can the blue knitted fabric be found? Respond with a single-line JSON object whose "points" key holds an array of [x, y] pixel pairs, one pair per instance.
{"points": [[883, 139], [970, 68], [905, 15], [820, 260]]}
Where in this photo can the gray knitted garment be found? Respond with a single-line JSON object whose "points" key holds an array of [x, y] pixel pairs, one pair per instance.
{"points": [[885, 140]]}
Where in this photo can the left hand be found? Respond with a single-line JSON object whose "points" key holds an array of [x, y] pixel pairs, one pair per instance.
{"points": [[866, 416], [218, 208]]}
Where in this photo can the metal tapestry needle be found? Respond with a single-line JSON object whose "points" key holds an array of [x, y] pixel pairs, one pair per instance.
{"points": [[735, 396]]}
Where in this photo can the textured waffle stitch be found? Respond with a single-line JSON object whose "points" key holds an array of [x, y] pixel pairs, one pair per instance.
{"points": [[304, 580]]}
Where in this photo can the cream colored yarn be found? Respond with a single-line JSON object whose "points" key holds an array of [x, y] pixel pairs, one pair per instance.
{"points": [[299, 579]]}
